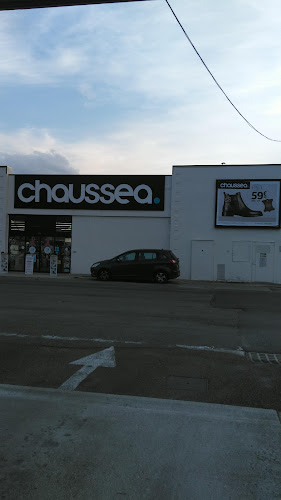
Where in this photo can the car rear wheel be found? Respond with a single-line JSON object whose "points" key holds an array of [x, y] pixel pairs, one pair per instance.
{"points": [[160, 277], [104, 275]]}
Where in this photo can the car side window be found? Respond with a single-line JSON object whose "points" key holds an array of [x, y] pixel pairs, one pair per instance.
{"points": [[147, 256], [127, 257], [163, 256]]}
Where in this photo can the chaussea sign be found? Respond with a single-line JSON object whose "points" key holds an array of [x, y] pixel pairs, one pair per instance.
{"points": [[87, 192]]}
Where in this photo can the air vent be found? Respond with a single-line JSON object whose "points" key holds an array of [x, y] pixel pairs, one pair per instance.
{"points": [[62, 226], [17, 225], [263, 249]]}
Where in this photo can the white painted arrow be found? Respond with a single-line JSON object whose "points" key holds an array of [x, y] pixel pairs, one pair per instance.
{"points": [[104, 358]]}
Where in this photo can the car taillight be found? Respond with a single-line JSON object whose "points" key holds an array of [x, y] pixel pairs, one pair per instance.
{"points": [[173, 261]]}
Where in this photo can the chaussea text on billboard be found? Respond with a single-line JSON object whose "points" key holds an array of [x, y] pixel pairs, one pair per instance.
{"points": [[87, 192]]}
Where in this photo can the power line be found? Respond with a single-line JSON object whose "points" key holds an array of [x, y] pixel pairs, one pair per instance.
{"points": [[216, 82]]}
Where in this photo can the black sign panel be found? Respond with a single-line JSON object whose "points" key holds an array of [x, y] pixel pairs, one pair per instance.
{"points": [[36, 4], [88, 192]]}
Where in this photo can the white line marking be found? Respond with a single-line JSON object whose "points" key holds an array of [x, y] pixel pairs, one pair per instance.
{"points": [[14, 335], [75, 339], [239, 351], [70, 339], [89, 364]]}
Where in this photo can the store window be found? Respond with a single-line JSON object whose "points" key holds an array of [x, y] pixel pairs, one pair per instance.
{"points": [[41, 236]]}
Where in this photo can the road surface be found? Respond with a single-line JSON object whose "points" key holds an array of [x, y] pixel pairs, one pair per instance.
{"points": [[46, 324]]}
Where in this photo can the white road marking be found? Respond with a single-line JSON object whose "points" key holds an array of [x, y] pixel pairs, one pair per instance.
{"points": [[70, 339], [89, 364], [239, 351], [20, 335]]}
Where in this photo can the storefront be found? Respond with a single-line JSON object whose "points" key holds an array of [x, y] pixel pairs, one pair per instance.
{"points": [[80, 219], [222, 221]]}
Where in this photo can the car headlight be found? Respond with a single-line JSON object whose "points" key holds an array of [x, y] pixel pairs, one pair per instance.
{"points": [[95, 265]]}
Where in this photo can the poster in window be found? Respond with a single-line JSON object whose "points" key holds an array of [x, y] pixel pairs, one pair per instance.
{"points": [[247, 203], [53, 265], [29, 263], [4, 262]]}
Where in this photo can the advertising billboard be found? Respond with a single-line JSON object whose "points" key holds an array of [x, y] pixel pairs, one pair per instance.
{"points": [[90, 192], [247, 203]]}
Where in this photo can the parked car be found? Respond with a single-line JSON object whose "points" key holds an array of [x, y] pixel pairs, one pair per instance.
{"points": [[145, 264]]}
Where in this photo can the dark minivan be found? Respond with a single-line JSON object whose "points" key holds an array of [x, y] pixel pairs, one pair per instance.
{"points": [[146, 264]]}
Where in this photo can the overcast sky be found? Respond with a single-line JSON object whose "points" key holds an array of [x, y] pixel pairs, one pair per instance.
{"points": [[117, 89]]}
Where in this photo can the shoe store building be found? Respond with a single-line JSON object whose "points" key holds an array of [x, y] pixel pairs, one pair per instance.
{"points": [[222, 221], [81, 219]]}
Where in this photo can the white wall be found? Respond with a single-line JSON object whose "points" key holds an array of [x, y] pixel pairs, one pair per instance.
{"points": [[193, 218], [99, 238], [4, 171]]}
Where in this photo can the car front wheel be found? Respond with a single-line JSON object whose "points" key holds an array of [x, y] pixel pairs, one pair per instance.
{"points": [[104, 275], [160, 277]]}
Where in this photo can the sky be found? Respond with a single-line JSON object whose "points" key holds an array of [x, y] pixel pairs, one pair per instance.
{"points": [[117, 88]]}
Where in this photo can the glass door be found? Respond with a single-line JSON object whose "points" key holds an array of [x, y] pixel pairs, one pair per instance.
{"points": [[63, 251], [41, 247], [46, 250]]}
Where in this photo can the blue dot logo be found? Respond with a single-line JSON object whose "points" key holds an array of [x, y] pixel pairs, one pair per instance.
{"points": [[156, 201]]}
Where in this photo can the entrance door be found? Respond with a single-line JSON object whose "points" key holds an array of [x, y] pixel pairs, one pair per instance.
{"points": [[202, 260], [263, 259], [42, 247], [63, 251], [46, 250]]}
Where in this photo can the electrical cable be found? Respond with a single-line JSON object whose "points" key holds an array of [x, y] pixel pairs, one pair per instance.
{"points": [[216, 82]]}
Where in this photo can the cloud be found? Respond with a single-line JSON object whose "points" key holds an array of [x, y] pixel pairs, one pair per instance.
{"points": [[151, 146], [34, 151], [117, 53], [275, 108], [137, 47], [38, 162], [134, 57]]}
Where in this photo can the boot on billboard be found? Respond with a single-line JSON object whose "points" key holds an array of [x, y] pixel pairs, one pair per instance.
{"points": [[229, 205], [234, 205], [268, 207], [243, 210]]}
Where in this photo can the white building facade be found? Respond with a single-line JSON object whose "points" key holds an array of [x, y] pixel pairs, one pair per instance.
{"points": [[215, 234], [222, 221], [81, 219]]}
